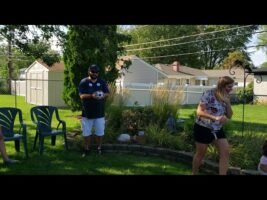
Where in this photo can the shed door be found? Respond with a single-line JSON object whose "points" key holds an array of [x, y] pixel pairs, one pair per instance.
{"points": [[36, 87]]}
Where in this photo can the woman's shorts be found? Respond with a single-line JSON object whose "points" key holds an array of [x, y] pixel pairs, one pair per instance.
{"points": [[205, 136]]}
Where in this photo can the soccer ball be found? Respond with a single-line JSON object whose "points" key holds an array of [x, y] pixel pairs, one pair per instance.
{"points": [[99, 94]]}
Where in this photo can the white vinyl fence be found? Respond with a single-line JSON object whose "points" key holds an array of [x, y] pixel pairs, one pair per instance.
{"points": [[142, 94]]}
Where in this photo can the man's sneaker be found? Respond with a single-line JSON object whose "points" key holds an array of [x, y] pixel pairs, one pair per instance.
{"points": [[10, 161], [86, 152]]}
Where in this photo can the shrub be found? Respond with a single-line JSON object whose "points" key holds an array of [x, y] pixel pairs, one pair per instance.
{"points": [[246, 95], [245, 151], [114, 118], [188, 129], [228, 129], [161, 137], [3, 86], [110, 135], [121, 97], [111, 96], [166, 101], [130, 118], [136, 118]]}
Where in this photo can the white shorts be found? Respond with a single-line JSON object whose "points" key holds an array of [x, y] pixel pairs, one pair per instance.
{"points": [[98, 123]]}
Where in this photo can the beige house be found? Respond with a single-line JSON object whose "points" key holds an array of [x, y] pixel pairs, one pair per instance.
{"points": [[178, 75], [143, 73], [238, 76], [44, 84]]}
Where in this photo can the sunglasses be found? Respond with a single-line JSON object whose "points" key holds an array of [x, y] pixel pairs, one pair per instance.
{"points": [[94, 72]]}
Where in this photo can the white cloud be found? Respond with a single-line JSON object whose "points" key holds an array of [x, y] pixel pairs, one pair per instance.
{"points": [[258, 58]]}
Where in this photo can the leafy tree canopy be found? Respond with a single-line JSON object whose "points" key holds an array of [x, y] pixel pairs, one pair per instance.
{"points": [[191, 45], [86, 45], [228, 62]]}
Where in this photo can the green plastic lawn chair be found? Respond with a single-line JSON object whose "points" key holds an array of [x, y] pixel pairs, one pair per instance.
{"points": [[7, 122], [42, 117]]}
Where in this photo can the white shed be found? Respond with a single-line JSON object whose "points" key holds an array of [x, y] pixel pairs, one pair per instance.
{"points": [[260, 89], [44, 84]]}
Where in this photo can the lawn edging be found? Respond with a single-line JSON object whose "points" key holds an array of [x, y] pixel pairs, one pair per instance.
{"points": [[207, 166]]}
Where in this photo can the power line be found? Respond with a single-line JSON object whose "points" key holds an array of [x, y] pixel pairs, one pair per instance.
{"points": [[182, 37], [196, 41], [14, 56], [201, 52], [22, 60], [19, 56]]}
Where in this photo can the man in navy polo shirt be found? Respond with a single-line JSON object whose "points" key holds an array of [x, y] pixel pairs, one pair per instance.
{"points": [[93, 92]]}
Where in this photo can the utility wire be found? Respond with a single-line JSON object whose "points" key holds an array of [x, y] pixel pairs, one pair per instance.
{"points": [[196, 41], [201, 52], [194, 35]]}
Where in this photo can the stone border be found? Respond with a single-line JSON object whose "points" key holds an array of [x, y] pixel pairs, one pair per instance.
{"points": [[208, 166]]}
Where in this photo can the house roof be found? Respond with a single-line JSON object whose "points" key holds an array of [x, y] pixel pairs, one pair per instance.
{"points": [[183, 71], [260, 71], [191, 71], [59, 67], [134, 58], [238, 72], [187, 72]]}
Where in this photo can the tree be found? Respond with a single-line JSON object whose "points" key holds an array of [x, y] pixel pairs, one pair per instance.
{"points": [[26, 38], [228, 62], [264, 65], [216, 46], [86, 45], [151, 33], [19, 60], [262, 40], [201, 50]]}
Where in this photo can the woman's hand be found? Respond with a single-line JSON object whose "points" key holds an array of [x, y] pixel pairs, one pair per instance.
{"points": [[221, 119]]}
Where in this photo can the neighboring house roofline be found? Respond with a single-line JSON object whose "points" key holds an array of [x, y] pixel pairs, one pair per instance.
{"points": [[259, 71], [56, 67], [181, 76], [238, 73], [183, 71], [152, 67], [133, 57]]}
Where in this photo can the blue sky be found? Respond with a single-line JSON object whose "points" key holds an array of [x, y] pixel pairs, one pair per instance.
{"points": [[258, 57]]}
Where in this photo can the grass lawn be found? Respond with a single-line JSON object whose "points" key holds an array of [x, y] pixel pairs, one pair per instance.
{"points": [[59, 162], [56, 160], [65, 114], [255, 118], [253, 113]]}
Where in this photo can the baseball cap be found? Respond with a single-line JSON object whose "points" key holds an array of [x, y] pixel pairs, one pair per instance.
{"points": [[94, 68]]}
